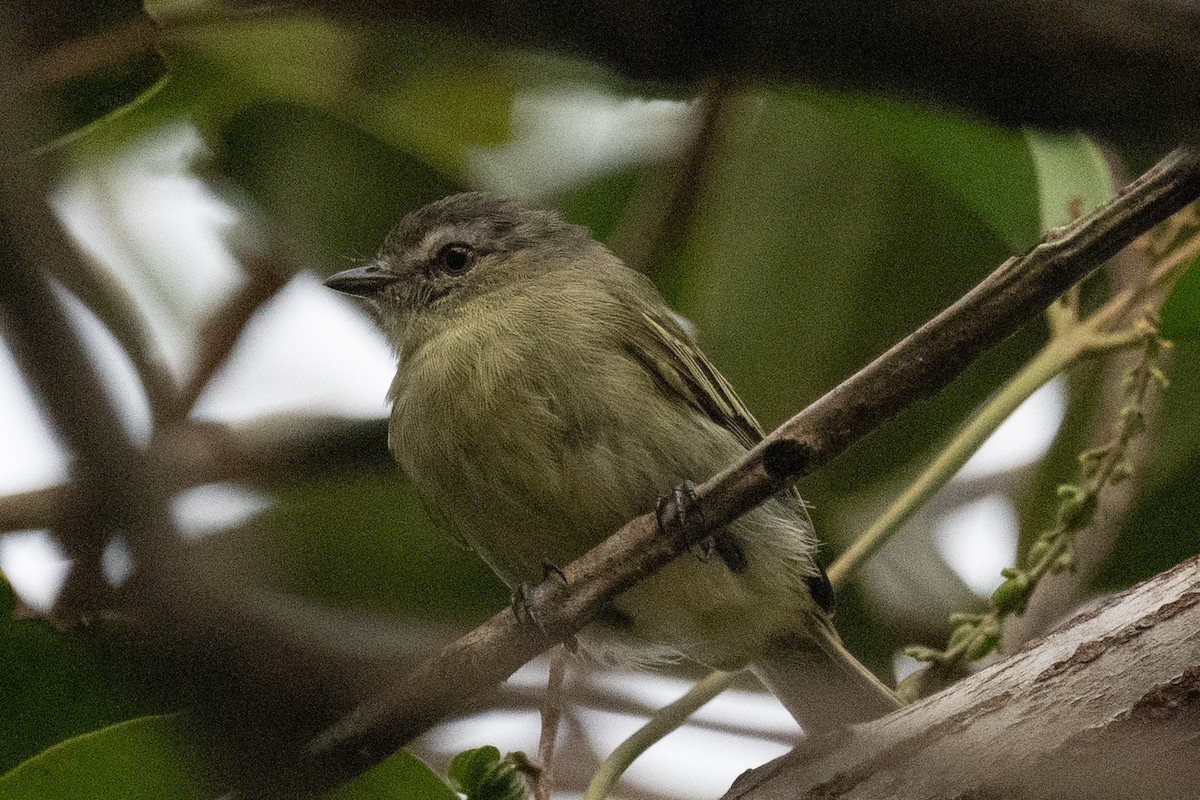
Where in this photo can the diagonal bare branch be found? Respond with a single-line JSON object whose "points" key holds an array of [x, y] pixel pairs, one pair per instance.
{"points": [[111, 488]]}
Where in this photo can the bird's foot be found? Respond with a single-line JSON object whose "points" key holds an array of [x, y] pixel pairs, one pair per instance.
{"points": [[687, 513], [524, 602], [521, 601]]}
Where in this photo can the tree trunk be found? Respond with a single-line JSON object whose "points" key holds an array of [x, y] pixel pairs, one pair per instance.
{"points": [[1107, 706]]}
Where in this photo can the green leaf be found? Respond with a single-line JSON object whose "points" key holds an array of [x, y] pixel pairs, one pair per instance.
{"points": [[136, 759], [366, 542], [470, 768], [148, 758], [985, 166], [55, 685], [481, 774], [1181, 312], [67, 32], [402, 776], [598, 204], [1073, 177]]}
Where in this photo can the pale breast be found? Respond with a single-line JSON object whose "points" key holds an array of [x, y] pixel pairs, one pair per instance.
{"points": [[527, 460]]}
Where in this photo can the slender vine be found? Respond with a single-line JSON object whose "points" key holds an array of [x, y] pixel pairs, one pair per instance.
{"points": [[976, 635], [1174, 245]]}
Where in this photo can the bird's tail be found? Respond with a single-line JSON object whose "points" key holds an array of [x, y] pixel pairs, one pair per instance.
{"points": [[819, 682]]}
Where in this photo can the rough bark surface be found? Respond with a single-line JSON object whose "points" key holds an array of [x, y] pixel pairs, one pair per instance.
{"points": [[1107, 706]]}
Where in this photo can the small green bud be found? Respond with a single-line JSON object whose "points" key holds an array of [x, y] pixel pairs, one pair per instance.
{"points": [[1010, 596], [963, 618], [983, 644], [921, 653], [1121, 470], [1075, 507], [1068, 491], [960, 635], [481, 774], [1064, 563], [1038, 550]]}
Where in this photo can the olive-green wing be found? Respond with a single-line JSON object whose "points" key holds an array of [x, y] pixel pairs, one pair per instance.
{"points": [[681, 369]]}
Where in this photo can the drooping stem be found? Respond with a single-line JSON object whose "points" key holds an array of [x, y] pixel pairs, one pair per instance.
{"points": [[665, 720]]}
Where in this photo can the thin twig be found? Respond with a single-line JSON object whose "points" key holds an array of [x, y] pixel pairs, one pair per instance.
{"points": [[111, 490], [665, 720], [552, 706], [915, 368], [220, 334], [661, 212]]}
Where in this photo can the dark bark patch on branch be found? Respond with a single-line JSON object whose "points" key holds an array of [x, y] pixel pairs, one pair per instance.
{"points": [[1170, 700], [785, 458], [1090, 651]]}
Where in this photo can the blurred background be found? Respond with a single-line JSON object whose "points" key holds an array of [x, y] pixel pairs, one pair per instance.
{"points": [[211, 186]]}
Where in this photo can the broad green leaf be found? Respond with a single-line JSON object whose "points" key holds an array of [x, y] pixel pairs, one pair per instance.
{"points": [[332, 190], [400, 777], [598, 204], [481, 774], [149, 758], [137, 759], [986, 167], [66, 33], [1072, 176], [1181, 311], [366, 542], [299, 59], [54, 685], [436, 94]]}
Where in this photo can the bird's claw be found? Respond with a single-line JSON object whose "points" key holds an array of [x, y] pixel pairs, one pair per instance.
{"points": [[683, 497], [687, 513], [523, 603]]}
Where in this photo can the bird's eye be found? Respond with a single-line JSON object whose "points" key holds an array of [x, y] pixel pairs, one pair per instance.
{"points": [[456, 258]]}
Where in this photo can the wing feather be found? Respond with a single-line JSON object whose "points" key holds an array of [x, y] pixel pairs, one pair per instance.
{"points": [[681, 369], [678, 365]]}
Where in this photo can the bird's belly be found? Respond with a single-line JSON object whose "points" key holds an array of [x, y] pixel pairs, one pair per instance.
{"points": [[529, 492], [507, 479]]}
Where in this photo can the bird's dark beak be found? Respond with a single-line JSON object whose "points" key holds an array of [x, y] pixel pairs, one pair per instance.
{"points": [[362, 281]]}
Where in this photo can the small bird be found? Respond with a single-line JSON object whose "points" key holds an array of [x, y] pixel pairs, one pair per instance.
{"points": [[545, 395]]}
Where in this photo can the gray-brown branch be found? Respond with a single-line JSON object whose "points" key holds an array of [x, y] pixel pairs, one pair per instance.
{"points": [[111, 488], [917, 367]]}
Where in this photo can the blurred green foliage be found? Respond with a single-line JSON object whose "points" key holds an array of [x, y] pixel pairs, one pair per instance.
{"points": [[147, 758], [138, 760], [1181, 312], [827, 227], [321, 537], [481, 774], [55, 686]]}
